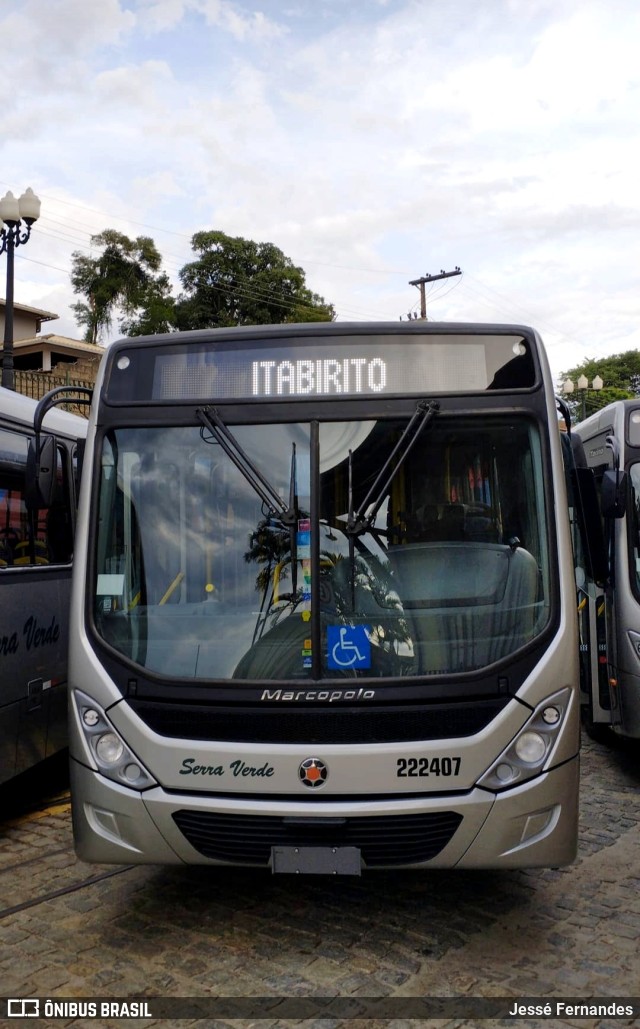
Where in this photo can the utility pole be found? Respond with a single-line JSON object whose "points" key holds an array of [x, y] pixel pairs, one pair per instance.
{"points": [[430, 278]]}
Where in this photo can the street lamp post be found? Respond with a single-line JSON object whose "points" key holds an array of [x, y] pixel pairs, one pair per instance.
{"points": [[583, 387], [13, 213]]}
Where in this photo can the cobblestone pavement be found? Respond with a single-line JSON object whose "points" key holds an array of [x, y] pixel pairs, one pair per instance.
{"points": [[192, 932]]}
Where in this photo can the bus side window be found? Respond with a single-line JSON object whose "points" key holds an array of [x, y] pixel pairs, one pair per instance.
{"points": [[29, 538], [13, 517], [8, 536]]}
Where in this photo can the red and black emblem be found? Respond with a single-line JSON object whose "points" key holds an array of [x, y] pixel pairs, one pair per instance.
{"points": [[313, 772]]}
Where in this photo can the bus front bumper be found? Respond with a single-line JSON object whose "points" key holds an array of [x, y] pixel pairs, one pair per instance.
{"points": [[532, 825]]}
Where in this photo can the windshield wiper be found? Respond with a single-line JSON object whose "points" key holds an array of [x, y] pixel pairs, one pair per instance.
{"points": [[281, 513], [359, 521], [210, 418]]}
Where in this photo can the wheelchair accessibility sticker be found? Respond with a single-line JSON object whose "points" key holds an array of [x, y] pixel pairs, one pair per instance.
{"points": [[348, 646]]}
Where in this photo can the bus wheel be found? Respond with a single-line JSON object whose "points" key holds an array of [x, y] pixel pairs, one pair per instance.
{"points": [[595, 730]]}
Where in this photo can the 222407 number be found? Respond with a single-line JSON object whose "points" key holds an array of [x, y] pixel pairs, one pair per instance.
{"points": [[409, 767]]}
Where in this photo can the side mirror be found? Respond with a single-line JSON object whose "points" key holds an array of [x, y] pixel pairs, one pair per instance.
{"points": [[41, 472], [613, 502]]}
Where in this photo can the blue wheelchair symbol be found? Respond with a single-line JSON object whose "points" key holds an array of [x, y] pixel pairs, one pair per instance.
{"points": [[348, 646]]}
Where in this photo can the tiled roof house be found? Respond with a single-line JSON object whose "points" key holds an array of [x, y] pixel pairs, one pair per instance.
{"points": [[58, 356]]}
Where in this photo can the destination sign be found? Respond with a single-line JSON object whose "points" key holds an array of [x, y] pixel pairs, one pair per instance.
{"points": [[322, 376], [330, 366]]}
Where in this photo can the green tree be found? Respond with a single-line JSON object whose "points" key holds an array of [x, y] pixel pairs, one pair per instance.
{"points": [[122, 278], [154, 310], [235, 281], [620, 374]]}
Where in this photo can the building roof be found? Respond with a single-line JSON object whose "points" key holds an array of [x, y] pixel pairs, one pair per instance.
{"points": [[43, 316], [61, 344]]}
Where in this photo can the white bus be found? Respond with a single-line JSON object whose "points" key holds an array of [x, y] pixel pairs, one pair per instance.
{"points": [[611, 616], [323, 603], [36, 547]]}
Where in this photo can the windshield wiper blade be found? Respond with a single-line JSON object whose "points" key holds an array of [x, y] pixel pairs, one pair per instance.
{"points": [[278, 510], [210, 418], [358, 521]]}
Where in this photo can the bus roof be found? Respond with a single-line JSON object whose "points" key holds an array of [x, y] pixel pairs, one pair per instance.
{"points": [[284, 329], [19, 409]]}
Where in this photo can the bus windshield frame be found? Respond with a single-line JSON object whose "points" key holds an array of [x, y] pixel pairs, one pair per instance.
{"points": [[387, 638]]}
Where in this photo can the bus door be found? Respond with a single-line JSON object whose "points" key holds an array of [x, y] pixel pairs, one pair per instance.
{"points": [[595, 696], [592, 572]]}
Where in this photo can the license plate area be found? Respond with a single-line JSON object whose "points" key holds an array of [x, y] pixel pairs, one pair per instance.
{"points": [[315, 860]]}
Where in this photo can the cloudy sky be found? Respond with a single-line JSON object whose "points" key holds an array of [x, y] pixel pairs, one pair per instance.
{"points": [[373, 141]]}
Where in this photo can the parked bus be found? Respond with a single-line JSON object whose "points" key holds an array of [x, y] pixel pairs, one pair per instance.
{"points": [[323, 603], [36, 547], [611, 616]]}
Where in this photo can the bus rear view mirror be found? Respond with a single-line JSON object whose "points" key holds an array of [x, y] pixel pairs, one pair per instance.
{"points": [[614, 494], [41, 472]]}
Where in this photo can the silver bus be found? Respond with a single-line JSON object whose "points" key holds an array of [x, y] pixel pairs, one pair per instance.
{"points": [[36, 547], [323, 606], [611, 616]]}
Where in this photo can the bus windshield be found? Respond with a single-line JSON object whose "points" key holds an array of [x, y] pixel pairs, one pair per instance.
{"points": [[445, 569]]}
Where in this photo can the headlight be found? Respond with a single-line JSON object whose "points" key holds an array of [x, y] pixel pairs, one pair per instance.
{"points": [[527, 754], [112, 757], [531, 747], [109, 748]]}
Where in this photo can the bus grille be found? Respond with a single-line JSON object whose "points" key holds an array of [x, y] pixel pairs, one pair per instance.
{"points": [[384, 842], [318, 725]]}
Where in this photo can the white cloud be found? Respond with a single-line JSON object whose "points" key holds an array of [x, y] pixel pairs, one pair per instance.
{"points": [[234, 18], [48, 46], [134, 87], [161, 15]]}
